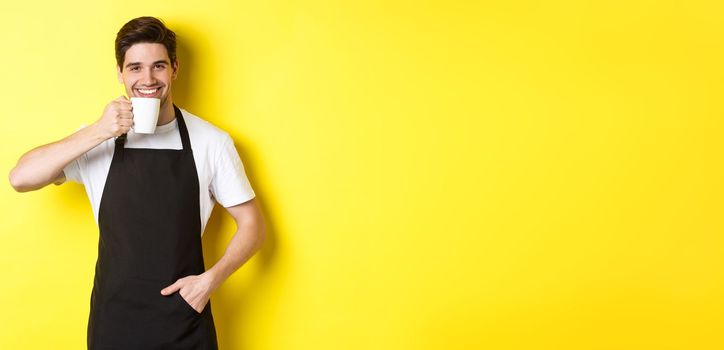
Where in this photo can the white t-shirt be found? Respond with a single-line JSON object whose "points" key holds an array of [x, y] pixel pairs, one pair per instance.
{"points": [[221, 174]]}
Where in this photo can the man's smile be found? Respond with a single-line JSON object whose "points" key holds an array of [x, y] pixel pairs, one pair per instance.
{"points": [[148, 92]]}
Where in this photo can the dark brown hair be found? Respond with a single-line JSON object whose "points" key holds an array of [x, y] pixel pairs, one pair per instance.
{"points": [[144, 30]]}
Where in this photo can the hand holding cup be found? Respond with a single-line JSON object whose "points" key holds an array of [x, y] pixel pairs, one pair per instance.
{"points": [[117, 118]]}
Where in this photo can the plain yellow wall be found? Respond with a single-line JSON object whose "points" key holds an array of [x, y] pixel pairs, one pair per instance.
{"points": [[436, 174]]}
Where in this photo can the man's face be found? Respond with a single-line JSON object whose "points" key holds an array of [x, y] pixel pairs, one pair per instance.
{"points": [[148, 72]]}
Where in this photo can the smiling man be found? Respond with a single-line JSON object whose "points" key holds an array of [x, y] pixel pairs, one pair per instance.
{"points": [[152, 195]]}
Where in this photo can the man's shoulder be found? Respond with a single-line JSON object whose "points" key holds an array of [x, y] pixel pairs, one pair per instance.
{"points": [[206, 131]]}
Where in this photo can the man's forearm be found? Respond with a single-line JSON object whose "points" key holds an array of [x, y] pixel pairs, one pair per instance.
{"points": [[40, 166], [246, 241]]}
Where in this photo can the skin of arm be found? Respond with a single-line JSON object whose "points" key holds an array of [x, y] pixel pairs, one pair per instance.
{"points": [[248, 239], [44, 165]]}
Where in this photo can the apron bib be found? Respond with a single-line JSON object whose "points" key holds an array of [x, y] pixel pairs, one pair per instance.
{"points": [[150, 236]]}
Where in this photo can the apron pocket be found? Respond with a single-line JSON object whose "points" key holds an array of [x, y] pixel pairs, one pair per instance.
{"points": [[136, 310], [186, 305]]}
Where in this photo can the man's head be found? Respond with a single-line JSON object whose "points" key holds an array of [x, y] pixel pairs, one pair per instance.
{"points": [[146, 58]]}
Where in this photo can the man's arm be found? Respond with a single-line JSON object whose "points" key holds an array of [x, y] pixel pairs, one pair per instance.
{"points": [[248, 239], [44, 165], [250, 235]]}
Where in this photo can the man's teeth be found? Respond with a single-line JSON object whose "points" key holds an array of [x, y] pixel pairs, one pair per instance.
{"points": [[148, 92]]}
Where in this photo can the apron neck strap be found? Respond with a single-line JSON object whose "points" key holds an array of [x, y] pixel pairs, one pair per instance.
{"points": [[182, 129]]}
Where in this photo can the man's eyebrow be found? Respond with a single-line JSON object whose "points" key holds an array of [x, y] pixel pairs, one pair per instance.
{"points": [[139, 63]]}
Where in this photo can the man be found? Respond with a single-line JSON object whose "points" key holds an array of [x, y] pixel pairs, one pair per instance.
{"points": [[152, 195]]}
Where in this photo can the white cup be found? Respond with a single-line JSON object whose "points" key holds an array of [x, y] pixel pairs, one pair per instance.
{"points": [[145, 114]]}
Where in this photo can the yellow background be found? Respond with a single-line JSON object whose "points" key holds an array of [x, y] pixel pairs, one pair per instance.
{"points": [[436, 174]]}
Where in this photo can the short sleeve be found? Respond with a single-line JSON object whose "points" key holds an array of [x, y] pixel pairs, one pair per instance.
{"points": [[229, 184], [72, 171]]}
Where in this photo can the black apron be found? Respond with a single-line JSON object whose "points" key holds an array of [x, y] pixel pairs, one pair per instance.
{"points": [[150, 236]]}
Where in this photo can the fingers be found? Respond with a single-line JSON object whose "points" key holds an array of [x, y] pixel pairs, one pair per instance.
{"points": [[125, 115], [172, 288], [123, 106], [125, 126], [124, 121], [122, 103], [191, 290], [196, 299], [197, 302], [117, 118]]}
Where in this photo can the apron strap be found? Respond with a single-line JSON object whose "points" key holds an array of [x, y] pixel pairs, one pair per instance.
{"points": [[120, 141], [182, 130]]}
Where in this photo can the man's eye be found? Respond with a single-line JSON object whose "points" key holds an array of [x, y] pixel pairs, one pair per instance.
{"points": [[135, 68], [160, 66]]}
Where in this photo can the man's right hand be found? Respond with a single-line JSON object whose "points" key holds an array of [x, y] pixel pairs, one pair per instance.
{"points": [[117, 118]]}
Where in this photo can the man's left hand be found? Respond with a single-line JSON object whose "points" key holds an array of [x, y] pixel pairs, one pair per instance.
{"points": [[195, 289]]}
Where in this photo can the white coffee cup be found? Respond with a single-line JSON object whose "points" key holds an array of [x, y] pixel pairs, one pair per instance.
{"points": [[145, 114]]}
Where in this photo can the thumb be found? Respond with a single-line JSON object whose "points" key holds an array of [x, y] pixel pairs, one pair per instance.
{"points": [[172, 288]]}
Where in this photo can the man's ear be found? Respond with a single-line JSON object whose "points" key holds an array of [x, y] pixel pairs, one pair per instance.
{"points": [[120, 75], [175, 70]]}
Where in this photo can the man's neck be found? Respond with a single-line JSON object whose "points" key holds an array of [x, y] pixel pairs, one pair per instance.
{"points": [[166, 114]]}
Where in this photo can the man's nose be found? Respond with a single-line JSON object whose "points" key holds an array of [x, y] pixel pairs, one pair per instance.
{"points": [[148, 78]]}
